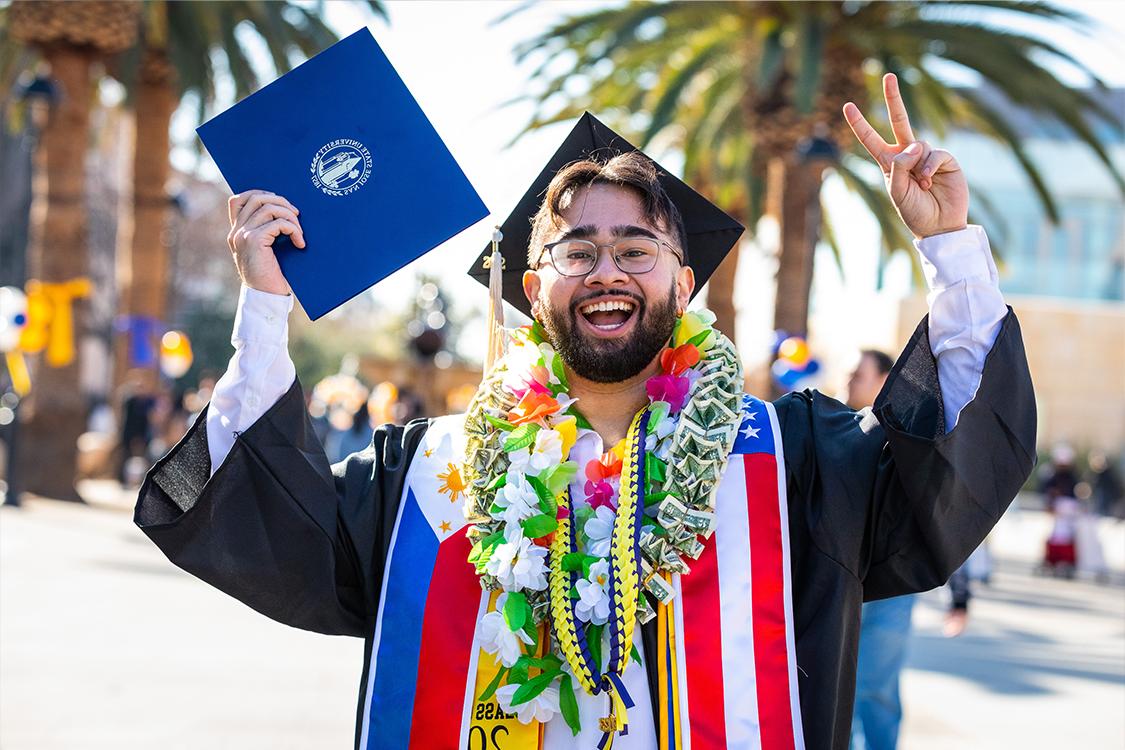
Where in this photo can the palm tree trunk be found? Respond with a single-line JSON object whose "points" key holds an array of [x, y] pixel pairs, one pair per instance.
{"points": [[720, 294], [799, 220], [142, 264], [798, 213], [56, 414]]}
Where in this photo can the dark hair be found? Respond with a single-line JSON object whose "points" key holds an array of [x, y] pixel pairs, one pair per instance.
{"points": [[632, 171], [882, 360]]}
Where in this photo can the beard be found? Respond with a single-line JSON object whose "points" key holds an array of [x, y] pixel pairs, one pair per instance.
{"points": [[611, 360]]}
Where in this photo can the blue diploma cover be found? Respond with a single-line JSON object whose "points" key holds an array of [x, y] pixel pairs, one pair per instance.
{"points": [[342, 138]]}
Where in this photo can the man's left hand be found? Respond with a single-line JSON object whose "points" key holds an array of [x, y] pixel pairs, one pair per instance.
{"points": [[926, 184]]}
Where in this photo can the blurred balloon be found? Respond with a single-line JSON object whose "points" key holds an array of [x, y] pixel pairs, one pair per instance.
{"points": [[794, 350], [13, 317], [13, 320], [794, 362], [175, 354]]}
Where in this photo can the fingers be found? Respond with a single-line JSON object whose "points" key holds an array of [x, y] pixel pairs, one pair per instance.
{"points": [[867, 135], [250, 200], [936, 162], [923, 182], [896, 110], [901, 167], [267, 212], [284, 226]]}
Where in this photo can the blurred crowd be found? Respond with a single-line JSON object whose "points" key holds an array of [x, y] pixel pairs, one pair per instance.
{"points": [[150, 418]]}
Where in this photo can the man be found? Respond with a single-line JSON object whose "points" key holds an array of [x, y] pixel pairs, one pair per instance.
{"points": [[884, 624], [868, 377], [665, 563]]}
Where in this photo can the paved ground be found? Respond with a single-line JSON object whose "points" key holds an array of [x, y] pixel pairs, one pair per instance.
{"points": [[103, 644]]}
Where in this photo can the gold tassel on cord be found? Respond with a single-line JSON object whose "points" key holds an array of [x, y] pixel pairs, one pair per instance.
{"points": [[496, 335]]}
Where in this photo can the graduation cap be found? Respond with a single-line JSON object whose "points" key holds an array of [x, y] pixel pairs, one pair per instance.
{"points": [[711, 233]]}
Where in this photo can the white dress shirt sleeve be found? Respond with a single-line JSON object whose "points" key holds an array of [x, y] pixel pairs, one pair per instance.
{"points": [[966, 310], [259, 373]]}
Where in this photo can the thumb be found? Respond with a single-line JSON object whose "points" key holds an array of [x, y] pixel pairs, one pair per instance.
{"points": [[900, 170]]}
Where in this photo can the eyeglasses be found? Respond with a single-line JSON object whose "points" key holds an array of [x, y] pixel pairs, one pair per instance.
{"points": [[632, 255]]}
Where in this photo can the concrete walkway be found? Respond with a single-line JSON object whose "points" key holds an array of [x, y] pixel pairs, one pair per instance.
{"points": [[103, 644]]}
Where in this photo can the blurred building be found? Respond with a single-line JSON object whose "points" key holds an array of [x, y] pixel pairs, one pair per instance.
{"points": [[1065, 281]]}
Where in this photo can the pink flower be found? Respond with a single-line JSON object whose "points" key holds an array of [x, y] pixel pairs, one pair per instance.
{"points": [[538, 387], [600, 494], [670, 388]]}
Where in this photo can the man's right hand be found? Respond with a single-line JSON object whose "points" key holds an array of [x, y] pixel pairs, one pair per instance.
{"points": [[257, 218]]}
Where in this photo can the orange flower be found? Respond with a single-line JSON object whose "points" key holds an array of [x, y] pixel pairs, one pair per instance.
{"points": [[533, 407], [609, 465], [679, 360], [545, 541]]}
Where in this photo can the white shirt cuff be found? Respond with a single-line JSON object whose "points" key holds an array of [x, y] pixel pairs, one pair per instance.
{"points": [[262, 317], [953, 257]]}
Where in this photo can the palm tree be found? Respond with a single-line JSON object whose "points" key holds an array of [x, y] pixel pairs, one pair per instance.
{"points": [[173, 59], [751, 92], [71, 38], [162, 50]]}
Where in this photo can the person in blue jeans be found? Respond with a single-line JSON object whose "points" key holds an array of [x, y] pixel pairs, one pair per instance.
{"points": [[883, 638], [885, 625]]}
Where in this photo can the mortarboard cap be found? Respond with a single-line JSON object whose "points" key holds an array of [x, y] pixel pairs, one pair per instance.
{"points": [[343, 139], [711, 233]]}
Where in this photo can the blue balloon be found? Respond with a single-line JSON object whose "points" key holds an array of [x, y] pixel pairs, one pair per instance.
{"points": [[785, 375]]}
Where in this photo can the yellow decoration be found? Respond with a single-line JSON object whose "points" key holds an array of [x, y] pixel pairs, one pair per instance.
{"points": [[452, 483], [17, 370], [567, 427], [50, 318]]}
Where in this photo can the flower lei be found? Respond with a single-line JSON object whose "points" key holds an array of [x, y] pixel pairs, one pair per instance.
{"points": [[575, 570]]}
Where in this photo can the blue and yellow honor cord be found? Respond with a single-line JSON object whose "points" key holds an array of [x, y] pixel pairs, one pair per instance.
{"points": [[624, 590]]}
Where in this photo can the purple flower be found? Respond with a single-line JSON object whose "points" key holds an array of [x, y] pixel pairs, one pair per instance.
{"points": [[670, 388]]}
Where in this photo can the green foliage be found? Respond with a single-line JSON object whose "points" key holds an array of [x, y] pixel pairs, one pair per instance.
{"points": [[539, 526], [684, 75]]}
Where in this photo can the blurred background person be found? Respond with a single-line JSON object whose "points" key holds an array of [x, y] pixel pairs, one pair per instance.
{"points": [[1105, 486], [137, 398], [1060, 555], [885, 624]]}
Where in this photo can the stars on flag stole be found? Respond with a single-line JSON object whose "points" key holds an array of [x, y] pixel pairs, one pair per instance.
{"points": [[726, 650]]}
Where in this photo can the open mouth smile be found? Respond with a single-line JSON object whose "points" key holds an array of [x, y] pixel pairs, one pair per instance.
{"points": [[608, 315]]}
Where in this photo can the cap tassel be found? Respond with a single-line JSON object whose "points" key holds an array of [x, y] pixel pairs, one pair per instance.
{"points": [[496, 337]]}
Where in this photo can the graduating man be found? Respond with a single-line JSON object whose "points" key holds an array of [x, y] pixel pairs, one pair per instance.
{"points": [[614, 546]]}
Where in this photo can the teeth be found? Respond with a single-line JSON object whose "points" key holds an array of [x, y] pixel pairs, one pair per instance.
{"points": [[607, 307]]}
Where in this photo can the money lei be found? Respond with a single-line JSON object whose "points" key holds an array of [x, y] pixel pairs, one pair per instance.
{"points": [[668, 480]]}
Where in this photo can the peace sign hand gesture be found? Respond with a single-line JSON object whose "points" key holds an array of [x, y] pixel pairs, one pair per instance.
{"points": [[926, 184]]}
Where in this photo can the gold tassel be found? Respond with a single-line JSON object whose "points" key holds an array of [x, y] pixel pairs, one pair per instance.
{"points": [[496, 335]]}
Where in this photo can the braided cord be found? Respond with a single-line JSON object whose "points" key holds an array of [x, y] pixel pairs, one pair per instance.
{"points": [[623, 555], [571, 641]]}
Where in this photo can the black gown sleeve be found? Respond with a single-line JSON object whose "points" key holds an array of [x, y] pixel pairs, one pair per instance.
{"points": [[891, 497], [276, 526]]}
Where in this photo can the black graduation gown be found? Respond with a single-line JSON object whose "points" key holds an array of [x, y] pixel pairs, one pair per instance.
{"points": [[880, 504]]}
